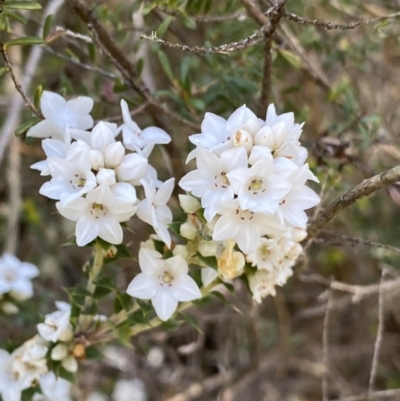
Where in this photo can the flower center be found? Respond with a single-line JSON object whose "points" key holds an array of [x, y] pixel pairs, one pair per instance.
{"points": [[77, 181], [166, 278], [98, 210], [221, 180], [244, 214], [264, 251], [255, 185]]}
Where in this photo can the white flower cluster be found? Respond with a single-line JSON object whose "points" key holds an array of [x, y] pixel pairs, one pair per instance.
{"points": [[93, 177], [250, 180], [15, 282], [28, 364]]}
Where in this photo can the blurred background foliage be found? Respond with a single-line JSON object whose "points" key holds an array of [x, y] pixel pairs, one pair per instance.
{"points": [[240, 351]]}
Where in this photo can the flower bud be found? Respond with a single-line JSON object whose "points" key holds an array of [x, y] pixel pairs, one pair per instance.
{"points": [[188, 230], [97, 159], [272, 137], [181, 250], [189, 203], [106, 176], [252, 126], [9, 308], [70, 364], [243, 138], [19, 296], [113, 154], [298, 234], [59, 352], [66, 335], [111, 252], [208, 248], [79, 351]]}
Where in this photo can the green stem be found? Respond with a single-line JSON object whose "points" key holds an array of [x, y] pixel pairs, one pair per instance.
{"points": [[91, 287]]}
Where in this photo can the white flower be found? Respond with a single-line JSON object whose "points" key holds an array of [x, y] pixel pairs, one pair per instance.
{"points": [[244, 226], [165, 282], [53, 388], [291, 207], [230, 263], [11, 385], [259, 188], [15, 277], [62, 118], [262, 284], [99, 214], [136, 139], [52, 148], [153, 209], [210, 181], [72, 176], [266, 255], [56, 325], [129, 390], [218, 134]]}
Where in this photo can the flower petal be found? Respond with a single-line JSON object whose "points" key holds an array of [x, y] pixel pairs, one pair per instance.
{"points": [[164, 304], [185, 289], [143, 286]]}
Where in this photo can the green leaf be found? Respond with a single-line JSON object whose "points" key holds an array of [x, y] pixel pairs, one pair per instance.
{"points": [[92, 52], [38, 96], [47, 26], [190, 319], [3, 70], [175, 227], [291, 58], [27, 40], [26, 125], [162, 57], [122, 301], [22, 5], [164, 26], [15, 16], [188, 22], [93, 352], [210, 261]]}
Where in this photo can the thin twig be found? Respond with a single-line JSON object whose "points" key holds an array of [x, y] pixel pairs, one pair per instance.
{"points": [[203, 19], [332, 25], [17, 85], [325, 349], [379, 338], [359, 241], [365, 188], [70, 34], [373, 396], [31, 66], [116, 55], [81, 64], [226, 48]]}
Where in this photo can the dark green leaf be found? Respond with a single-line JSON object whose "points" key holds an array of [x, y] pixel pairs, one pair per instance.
{"points": [[93, 352], [27, 40], [26, 125], [38, 96], [122, 301], [92, 52], [209, 261], [2, 70], [47, 26], [187, 317]]}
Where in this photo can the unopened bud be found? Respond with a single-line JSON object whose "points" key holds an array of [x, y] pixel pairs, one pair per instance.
{"points": [[181, 250], [59, 352], [298, 234], [70, 364], [243, 138], [106, 176], [66, 335], [79, 351], [208, 248], [111, 252], [113, 154], [9, 308], [189, 204], [188, 230], [97, 159]]}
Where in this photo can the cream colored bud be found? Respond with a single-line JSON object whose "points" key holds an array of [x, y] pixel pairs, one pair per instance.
{"points": [[70, 364], [97, 159], [188, 230], [208, 248], [298, 234], [181, 250], [66, 335], [243, 138], [59, 352], [19, 296], [189, 204], [111, 252], [113, 154], [9, 308]]}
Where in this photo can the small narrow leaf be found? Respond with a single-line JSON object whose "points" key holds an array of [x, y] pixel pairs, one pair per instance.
{"points": [[47, 26], [38, 95], [22, 5], [162, 57], [15, 16], [290, 58], [164, 26], [25, 126], [27, 40]]}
